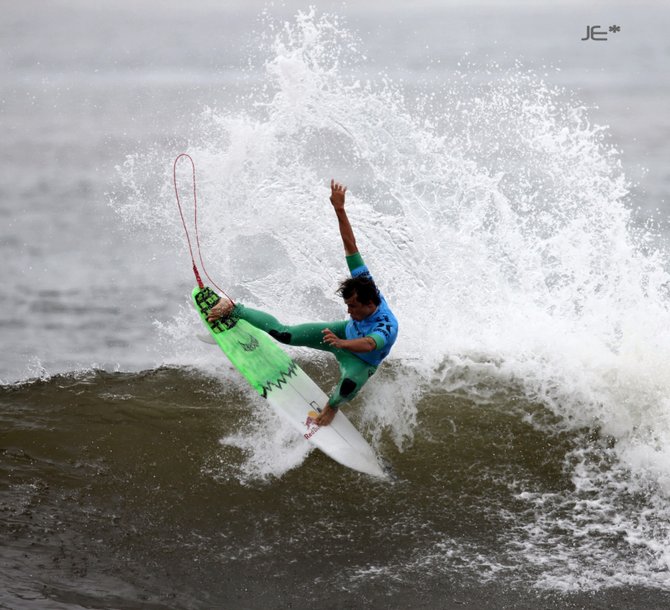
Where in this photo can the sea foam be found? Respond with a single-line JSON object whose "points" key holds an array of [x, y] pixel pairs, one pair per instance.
{"points": [[495, 216]]}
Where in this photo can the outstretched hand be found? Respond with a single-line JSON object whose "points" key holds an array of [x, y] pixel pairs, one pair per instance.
{"points": [[337, 192]]}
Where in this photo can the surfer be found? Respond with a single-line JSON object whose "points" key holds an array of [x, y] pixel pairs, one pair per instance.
{"points": [[358, 344]]}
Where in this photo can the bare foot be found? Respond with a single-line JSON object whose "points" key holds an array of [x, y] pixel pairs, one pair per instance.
{"points": [[221, 310], [326, 416]]}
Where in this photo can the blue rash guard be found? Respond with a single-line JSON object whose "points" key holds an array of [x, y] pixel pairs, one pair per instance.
{"points": [[381, 325]]}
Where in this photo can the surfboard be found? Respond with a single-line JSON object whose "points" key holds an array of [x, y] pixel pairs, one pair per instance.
{"points": [[286, 387]]}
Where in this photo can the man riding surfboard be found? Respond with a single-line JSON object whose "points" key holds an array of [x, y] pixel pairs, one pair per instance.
{"points": [[359, 344]]}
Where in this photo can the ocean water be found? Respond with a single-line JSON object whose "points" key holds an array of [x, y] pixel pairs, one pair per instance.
{"points": [[508, 188]]}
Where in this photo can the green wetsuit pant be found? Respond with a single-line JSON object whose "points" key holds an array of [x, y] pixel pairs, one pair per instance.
{"points": [[354, 371]]}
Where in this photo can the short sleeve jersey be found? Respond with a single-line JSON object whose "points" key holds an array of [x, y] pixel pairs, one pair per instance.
{"points": [[381, 325]]}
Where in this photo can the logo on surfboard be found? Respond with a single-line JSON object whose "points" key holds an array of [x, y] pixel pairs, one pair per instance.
{"points": [[250, 345]]}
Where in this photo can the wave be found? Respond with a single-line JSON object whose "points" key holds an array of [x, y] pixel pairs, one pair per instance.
{"points": [[495, 216], [489, 477], [497, 220]]}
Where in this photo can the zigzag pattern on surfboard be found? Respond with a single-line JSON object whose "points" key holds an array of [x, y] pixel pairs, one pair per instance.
{"points": [[291, 372]]}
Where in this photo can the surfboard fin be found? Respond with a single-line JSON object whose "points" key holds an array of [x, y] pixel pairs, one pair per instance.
{"points": [[206, 338]]}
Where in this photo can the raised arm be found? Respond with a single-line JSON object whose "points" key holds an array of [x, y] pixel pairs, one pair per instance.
{"points": [[337, 193]]}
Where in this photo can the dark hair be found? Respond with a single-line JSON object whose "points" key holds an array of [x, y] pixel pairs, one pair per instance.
{"points": [[363, 287]]}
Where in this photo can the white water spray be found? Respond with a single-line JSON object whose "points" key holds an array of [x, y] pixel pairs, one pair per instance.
{"points": [[494, 217]]}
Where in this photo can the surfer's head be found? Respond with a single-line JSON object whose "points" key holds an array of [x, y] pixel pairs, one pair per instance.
{"points": [[360, 295]]}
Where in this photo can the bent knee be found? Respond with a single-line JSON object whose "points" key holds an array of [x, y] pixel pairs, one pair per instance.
{"points": [[348, 388], [281, 336]]}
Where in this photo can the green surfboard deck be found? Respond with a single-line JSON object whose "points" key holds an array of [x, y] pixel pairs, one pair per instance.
{"points": [[262, 363]]}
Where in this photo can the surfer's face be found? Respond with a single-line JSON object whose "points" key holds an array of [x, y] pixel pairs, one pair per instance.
{"points": [[357, 310]]}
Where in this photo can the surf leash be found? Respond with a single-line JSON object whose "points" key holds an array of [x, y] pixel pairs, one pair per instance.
{"points": [[195, 225]]}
